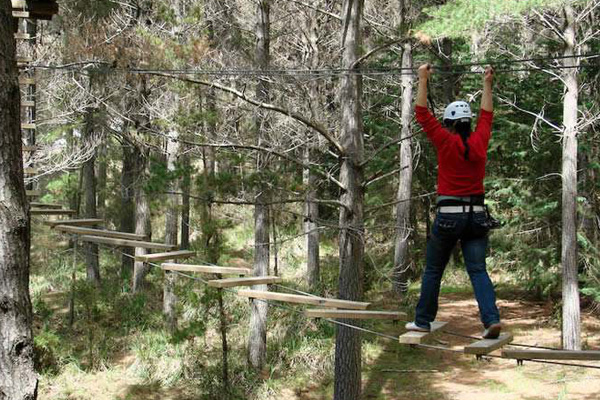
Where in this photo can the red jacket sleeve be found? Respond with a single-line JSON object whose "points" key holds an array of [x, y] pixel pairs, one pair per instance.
{"points": [[432, 127], [483, 132]]}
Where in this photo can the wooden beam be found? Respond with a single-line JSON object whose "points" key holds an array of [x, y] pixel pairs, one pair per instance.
{"points": [[29, 149], [125, 242], [22, 61], [486, 346], [28, 126], [44, 205], [81, 222], [20, 14], [51, 211], [300, 299], [23, 36], [250, 281], [207, 269], [412, 337], [353, 314], [30, 171], [26, 81], [99, 232], [27, 103], [33, 193], [529, 354], [173, 255]]}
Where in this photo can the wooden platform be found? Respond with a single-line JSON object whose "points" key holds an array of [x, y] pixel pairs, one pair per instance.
{"points": [[207, 269], [34, 193], [300, 299], [80, 222], [36, 9], [250, 281], [23, 36], [125, 242], [20, 14], [51, 211], [172, 255], [99, 232], [412, 337], [486, 346], [353, 314], [540, 354]]}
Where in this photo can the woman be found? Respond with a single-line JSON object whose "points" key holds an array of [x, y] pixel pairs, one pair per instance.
{"points": [[461, 214]]}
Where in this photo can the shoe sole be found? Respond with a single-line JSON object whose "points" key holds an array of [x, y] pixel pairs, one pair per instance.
{"points": [[493, 331]]}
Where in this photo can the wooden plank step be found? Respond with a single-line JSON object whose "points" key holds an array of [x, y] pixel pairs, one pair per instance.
{"points": [[540, 354], [28, 126], [33, 193], [125, 242], [26, 81], [486, 346], [23, 36], [27, 103], [353, 314], [80, 222], [300, 299], [99, 232], [412, 337], [51, 211], [250, 281], [44, 205], [207, 269], [20, 14], [173, 255], [21, 60], [29, 149], [30, 171]]}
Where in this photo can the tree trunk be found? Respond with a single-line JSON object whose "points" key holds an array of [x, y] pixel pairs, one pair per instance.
{"points": [[169, 296], [185, 203], [127, 210], [101, 179], [257, 341], [142, 216], [403, 225], [18, 380], [347, 384], [89, 185], [571, 329]]}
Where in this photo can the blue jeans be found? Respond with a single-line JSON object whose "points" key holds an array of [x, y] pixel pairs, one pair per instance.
{"points": [[471, 230]]}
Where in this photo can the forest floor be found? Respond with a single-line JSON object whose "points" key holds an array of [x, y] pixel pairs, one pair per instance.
{"points": [[132, 358]]}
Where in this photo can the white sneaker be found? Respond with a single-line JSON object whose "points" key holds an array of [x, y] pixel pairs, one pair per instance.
{"points": [[492, 331], [411, 326]]}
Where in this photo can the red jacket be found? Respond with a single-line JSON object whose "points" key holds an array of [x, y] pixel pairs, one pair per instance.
{"points": [[457, 176]]}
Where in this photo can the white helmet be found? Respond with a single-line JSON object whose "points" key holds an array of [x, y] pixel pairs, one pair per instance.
{"points": [[457, 110]]}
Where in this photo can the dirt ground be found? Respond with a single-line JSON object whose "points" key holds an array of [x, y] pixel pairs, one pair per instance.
{"points": [[393, 371]]}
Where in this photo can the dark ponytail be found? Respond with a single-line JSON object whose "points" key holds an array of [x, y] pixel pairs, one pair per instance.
{"points": [[463, 128]]}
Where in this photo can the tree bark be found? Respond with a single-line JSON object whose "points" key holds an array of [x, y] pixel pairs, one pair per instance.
{"points": [[127, 210], [185, 203], [257, 341], [347, 384], [403, 225], [142, 216], [169, 296], [18, 380], [89, 187], [571, 329]]}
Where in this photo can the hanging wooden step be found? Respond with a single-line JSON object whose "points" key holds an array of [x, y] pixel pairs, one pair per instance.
{"points": [[412, 337], [27, 103], [26, 81], [29, 149], [28, 126], [20, 14], [301, 299], [173, 255], [30, 171], [126, 242], [51, 211], [99, 232], [23, 61], [353, 314], [37, 9], [542, 354], [486, 346], [23, 36], [207, 269], [44, 205], [34, 193], [250, 281], [79, 222]]}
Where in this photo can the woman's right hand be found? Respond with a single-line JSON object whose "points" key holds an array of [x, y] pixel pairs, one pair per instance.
{"points": [[425, 71]]}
